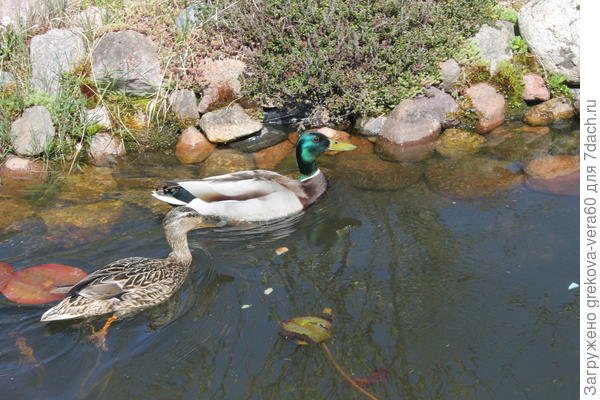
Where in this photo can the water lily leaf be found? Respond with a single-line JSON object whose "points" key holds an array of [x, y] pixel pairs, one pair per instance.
{"points": [[308, 329], [6, 272], [34, 285]]}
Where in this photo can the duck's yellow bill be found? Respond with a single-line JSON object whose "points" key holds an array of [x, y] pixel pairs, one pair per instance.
{"points": [[340, 146]]}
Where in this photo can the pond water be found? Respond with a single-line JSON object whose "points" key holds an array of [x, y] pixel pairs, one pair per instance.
{"points": [[456, 297]]}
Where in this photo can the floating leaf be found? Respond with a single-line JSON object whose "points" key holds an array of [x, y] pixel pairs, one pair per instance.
{"points": [[379, 375], [309, 329], [33, 285], [6, 272]]}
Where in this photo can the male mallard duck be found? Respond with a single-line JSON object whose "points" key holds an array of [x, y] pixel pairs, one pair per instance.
{"points": [[132, 284], [259, 195]]}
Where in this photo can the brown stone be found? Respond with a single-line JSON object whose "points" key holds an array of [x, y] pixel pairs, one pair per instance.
{"points": [[221, 81], [91, 183], [271, 156], [550, 111], [470, 177], [368, 172], [554, 174], [489, 104], [403, 152], [22, 168], [13, 210], [224, 161], [455, 143], [535, 88], [193, 147], [105, 149]]}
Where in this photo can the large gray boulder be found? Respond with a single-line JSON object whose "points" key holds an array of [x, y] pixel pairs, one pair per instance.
{"points": [[127, 61], [31, 134], [52, 54], [551, 28], [419, 120], [493, 43], [184, 105], [228, 124], [23, 14]]}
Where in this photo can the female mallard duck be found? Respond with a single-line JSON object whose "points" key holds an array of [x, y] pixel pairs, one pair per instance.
{"points": [[132, 284], [257, 196]]}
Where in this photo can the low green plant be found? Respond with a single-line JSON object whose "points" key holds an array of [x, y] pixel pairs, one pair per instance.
{"points": [[506, 14], [557, 85], [509, 80], [518, 45]]}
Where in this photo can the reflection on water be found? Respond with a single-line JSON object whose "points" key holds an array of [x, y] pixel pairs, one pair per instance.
{"points": [[457, 299]]}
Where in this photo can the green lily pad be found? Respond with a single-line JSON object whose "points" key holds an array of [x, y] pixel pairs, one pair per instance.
{"points": [[310, 329]]}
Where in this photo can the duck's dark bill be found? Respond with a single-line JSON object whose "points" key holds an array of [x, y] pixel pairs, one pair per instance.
{"points": [[341, 146]]}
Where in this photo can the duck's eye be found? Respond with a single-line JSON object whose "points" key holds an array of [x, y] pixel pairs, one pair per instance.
{"points": [[316, 139]]}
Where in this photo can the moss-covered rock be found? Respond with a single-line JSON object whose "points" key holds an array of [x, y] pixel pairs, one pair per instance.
{"points": [[456, 143]]}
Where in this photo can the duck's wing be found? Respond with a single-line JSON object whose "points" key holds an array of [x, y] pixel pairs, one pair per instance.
{"points": [[237, 186], [117, 278]]}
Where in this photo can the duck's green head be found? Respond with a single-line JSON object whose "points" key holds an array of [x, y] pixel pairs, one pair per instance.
{"points": [[310, 145]]}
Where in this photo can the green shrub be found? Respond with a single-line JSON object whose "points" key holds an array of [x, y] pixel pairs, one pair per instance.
{"points": [[506, 14], [353, 57], [518, 45], [557, 85]]}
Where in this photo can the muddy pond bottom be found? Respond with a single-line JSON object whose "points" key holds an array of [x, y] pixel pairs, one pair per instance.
{"points": [[456, 293]]}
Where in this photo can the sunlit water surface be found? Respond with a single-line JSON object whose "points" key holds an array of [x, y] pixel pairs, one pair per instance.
{"points": [[455, 299]]}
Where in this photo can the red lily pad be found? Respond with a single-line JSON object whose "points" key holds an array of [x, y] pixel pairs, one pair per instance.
{"points": [[6, 272], [309, 329], [33, 285]]}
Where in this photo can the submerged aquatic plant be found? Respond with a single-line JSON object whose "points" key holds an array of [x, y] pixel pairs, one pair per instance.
{"points": [[317, 330]]}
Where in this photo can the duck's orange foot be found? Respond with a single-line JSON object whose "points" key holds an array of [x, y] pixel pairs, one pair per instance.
{"points": [[100, 336]]}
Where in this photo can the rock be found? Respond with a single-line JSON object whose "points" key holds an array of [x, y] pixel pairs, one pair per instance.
{"points": [[193, 147], [91, 19], [419, 120], [535, 88], [17, 168], [371, 173], [403, 152], [99, 116], [184, 105], [494, 43], [6, 79], [187, 18], [517, 142], [489, 105], [286, 115], [270, 157], [228, 124], [451, 72], [13, 211], [554, 174], [88, 184], [52, 54], [24, 14], [456, 143], [470, 177], [370, 126], [267, 137], [127, 61], [32, 133], [559, 108], [224, 161], [105, 149], [576, 98], [551, 29], [220, 79]]}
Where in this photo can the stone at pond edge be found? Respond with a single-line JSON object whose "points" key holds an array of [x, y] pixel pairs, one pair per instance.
{"points": [[270, 157], [367, 171], [90, 183], [535, 88], [470, 177], [370, 126], [551, 29], [455, 143], [184, 105], [451, 72], [554, 174], [560, 108], [127, 61], [224, 161], [220, 79], [489, 105], [99, 116], [228, 124], [33, 132], [515, 141], [18, 168], [420, 119], [52, 54], [13, 211], [403, 152], [193, 147], [268, 136], [105, 149], [493, 43]]}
